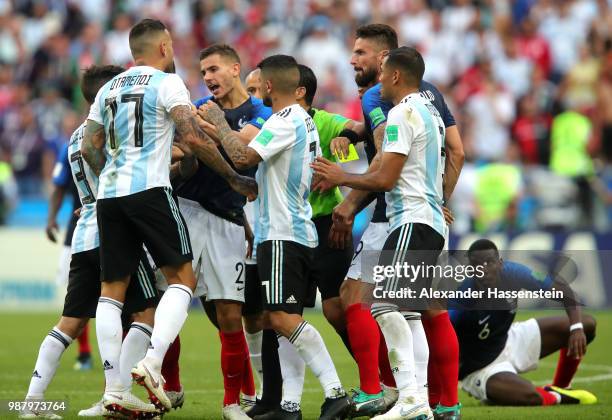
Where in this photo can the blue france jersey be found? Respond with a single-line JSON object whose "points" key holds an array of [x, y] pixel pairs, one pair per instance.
{"points": [[210, 189], [482, 333], [134, 108], [287, 143], [85, 235], [375, 112]]}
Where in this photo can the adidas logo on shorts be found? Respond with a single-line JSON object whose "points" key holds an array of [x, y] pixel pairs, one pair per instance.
{"points": [[291, 299], [107, 365]]}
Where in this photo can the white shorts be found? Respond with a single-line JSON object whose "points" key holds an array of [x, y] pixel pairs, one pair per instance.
{"points": [[373, 239], [521, 354], [219, 250]]}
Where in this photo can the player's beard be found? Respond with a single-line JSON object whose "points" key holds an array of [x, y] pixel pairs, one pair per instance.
{"points": [[171, 68], [366, 77]]}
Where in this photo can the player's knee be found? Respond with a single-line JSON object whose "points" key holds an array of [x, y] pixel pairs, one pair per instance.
{"points": [[590, 326], [72, 327], [253, 323], [350, 292], [229, 315]]}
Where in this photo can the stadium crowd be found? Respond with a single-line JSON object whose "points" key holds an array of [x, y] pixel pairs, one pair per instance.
{"points": [[530, 83]]}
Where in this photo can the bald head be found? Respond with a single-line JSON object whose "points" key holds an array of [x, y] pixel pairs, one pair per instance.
{"points": [[253, 83]]}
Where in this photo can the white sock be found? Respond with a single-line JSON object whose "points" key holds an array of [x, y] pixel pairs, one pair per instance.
{"points": [[109, 333], [421, 353], [254, 343], [133, 350], [170, 316], [49, 354], [401, 353], [311, 347], [293, 369]]}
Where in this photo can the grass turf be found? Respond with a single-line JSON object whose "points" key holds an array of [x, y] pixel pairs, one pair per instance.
{"points": [[201, 373]]}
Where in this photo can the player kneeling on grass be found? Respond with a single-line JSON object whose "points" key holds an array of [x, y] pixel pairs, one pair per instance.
{"points": [[494, 349]]}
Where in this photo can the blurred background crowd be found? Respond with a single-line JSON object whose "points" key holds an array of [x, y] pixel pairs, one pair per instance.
{"points": [[529, 82]]}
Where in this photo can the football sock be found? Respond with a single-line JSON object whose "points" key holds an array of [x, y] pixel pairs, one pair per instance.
{"points": [[421, 352], [170, 366], [83, 339], [254, 342], [293, 369], [233, 355], [110, 333], [310, 346], [401, 353], [444, 353], [548, 397], [566, 369], [170, 316], [364, 335], [386, 375], [248, 382], [49, 354], [433, 383], [272, 377], [133, 349]]}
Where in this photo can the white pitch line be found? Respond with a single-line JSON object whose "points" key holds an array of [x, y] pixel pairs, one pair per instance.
{"points": [[582, 379]]}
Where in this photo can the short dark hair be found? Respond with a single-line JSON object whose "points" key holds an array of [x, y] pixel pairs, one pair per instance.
{"points": [[282, 70], [408, 61], [223, 50], [308, 81], [95, 77], [139, 32], [483, 245], [379, 32]]}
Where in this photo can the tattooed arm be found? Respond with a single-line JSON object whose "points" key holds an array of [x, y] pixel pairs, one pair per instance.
{"points": [[92, 147], [206, 150], [241, 155]]}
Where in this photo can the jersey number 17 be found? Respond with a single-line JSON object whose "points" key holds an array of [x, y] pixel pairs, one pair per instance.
{"points": [[111, 104]]}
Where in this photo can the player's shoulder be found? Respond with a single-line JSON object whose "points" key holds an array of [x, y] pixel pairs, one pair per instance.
{"points": [[202, 101], [372, 95], [77, 134]]}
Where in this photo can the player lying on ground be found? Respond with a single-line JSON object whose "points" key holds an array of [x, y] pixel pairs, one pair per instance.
{"points": [[410, 170], [84, 284], [494, 350]]}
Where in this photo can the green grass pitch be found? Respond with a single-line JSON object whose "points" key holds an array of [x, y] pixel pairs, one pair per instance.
{"points": [[201, 372]]}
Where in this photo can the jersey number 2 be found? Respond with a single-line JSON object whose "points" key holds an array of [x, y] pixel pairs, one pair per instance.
{"points": [[111, 103]]}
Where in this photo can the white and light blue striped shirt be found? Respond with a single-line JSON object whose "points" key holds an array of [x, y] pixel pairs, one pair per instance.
{"points": [[85, 235], [134, 108], [287, 143], [415, 129]]}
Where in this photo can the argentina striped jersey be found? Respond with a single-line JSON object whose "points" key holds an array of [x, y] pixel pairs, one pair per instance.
{"points": [[134, 108], [416, 130], [85, 235], [287, 143]]}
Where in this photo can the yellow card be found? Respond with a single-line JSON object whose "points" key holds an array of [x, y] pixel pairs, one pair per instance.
{"points": [[352, 155]]}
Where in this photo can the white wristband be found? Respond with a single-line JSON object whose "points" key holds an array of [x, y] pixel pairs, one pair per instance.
{"points": [[576, 326]]}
